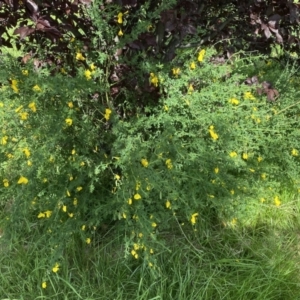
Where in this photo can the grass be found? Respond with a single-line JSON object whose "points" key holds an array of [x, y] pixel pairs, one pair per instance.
{"points": [[255, 260]]}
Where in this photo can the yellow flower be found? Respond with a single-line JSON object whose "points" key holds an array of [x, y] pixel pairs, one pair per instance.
{"points": [[212, 133], [252, 170], [69, 122], [249, 95], [144, 162], [120, 33], [64, 208], [233, 154], [120, 18], [233, 221], [4, 140], [25, 72], [88, 240], [5, 182], [153, 79], [24, 116], [117, 177], [88, 74], [55, 269], [234, 101], [136, 246], [44, 284], [70, 104], [245, 156], [151, 251], [83, 227], [153, 224], [48, 213], [295, 152], [92, 67], [192, 65], [41, 215], [14, 86], [75, 201], [176, 71], [26, 152], [201, 55], [190, 89], [82, 164], [32, 106], [36, 88], [169, 163], [134, 254], [194, 218], [263, 176], [232, 192], [79, 56], [137, 197], [168, 204], [277, 202], [107, 114], [124, 215], [129, 201], [23, 180], [259, 159], [262, 200], [216, 170], [79, 188], [166, 108]]}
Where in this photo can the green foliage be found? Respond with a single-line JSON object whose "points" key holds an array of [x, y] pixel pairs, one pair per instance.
{"points": [[183, 145]]}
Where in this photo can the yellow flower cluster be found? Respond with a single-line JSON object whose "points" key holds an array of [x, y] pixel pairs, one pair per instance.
{"points": [[14, 85], [201, 55], [4, 140], [23, 180], [55, 269], [36, 88], [5, 182], [169, 163], [194, 218], [107, 114], [69, 121], [88, 74], [295, 152], [79, 56], [212, 133], [249, 96], [45, 214], [176, 71], [144, 162], [234, 101], [153, 79], [233, 154], [277, 202]]}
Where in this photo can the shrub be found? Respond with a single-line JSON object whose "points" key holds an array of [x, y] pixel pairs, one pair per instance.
{"points": [[191, 148]]}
